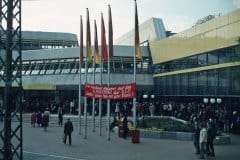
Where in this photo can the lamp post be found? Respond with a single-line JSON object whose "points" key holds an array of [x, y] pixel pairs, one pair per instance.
{"points": [[219, 100], [152, 97], [213, 101]]}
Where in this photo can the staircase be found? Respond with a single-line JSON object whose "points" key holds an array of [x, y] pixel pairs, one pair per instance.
{"points": [[74, 119]]}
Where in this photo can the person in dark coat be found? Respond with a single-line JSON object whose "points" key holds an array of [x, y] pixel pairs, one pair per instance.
{"points": [[196, 137], [45, 120], [60, 119], [125, 126], [39, 118], [114, 123], [68, 129], [210, 137]]}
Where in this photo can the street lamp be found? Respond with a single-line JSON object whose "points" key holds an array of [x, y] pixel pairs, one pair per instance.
{"points": [[219, 100], [145, 96], [212, 100], [152, 96], [205, 100]]}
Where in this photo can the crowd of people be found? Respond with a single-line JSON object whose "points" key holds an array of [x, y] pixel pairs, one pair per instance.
{"points": [[227, 118], [40, 119]]}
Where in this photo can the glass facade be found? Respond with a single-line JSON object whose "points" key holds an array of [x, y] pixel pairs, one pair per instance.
{"points": [[221, 56], [222, 82]]}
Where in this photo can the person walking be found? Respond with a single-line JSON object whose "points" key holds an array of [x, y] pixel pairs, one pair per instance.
{"points": [[125, 126], [114, 123], [45, 121], [60, 115], [39, 118], [68, 129], [210, 138], [202, 140], [196, 137], [33, 119], [60, 119]]}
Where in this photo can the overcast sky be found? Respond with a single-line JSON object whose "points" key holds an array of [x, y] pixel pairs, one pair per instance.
{"points": [[64, 15]]}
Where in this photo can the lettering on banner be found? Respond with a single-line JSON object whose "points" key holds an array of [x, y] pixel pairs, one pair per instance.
{"points": [[123, 91]]}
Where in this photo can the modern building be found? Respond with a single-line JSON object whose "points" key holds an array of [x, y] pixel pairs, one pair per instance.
{"points": [[201, 62]]}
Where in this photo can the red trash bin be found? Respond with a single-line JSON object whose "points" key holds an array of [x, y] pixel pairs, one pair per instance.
{"points": [[135, 136]]}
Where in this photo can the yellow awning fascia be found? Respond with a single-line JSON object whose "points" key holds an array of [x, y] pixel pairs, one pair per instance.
{"points": [[39, 87], [217, 66], [34, 86]]}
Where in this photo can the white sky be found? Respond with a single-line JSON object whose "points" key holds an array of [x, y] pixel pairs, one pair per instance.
{"points": [[64, 15]]}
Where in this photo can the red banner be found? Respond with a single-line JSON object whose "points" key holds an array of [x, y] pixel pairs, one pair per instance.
{"points": [[123, 91]]}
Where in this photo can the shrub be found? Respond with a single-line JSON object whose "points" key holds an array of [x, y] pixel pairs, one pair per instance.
{"points": [[165, 123]]}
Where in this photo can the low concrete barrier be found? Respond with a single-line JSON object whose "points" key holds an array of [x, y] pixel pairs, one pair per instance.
{"points": [[222, 140], [166, 135], [184, 136]]}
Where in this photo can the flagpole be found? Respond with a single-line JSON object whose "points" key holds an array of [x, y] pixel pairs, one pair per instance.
{"points": [[85, 103], [100, 101], [88, 58], [134, 58], [94, 65], [102, 57], [93, 100], [108, 100], [79, 97], [80, 77]]}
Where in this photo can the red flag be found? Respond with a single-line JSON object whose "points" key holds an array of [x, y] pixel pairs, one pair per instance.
{"points": [[88, 43], [137, 43], [81, 40], [96, 53], [103, 40], [110, 27]]}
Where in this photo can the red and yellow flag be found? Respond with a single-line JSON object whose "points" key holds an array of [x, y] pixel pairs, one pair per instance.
{"points": [[103, 40], [88, 43], [81, 40], [96, 50], [137, 43], [110, 27]]}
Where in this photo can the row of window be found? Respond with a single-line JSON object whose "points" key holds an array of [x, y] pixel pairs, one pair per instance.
{"points": [[230, 54], [224, 81], [71, 66]]}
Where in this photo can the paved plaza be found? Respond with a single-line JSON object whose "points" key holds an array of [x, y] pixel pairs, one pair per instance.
{"points": [[40, 145]]}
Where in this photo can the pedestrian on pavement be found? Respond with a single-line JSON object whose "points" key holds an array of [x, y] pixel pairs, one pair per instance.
{"points": [[210, 138], [196, 137], [45, 120], [68, 129], [60, 119], [33, 118], [125, 126], [203, 140], [39, 118], [114, 123], [60, 115]]}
